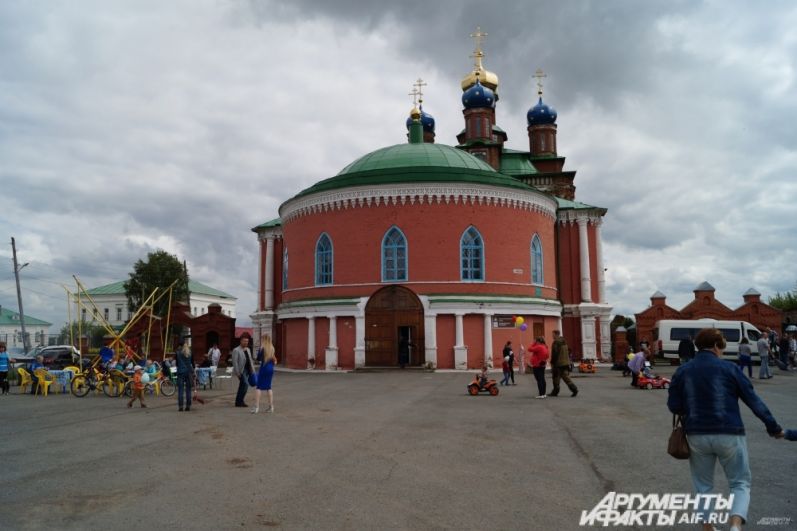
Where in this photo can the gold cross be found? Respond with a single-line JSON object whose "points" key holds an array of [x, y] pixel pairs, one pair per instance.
{"points": [[539, 74], [414, 93], [418, 88], [478, 36]]}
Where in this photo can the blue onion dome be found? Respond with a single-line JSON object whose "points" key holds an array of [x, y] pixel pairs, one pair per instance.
{"points": [[427, 121], [541, 114], [478, 96]]}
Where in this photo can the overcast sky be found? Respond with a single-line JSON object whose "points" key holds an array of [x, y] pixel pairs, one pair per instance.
{"points": [[131, 126]]}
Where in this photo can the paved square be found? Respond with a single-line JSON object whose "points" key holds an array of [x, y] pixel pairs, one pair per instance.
{"points": [[396, 450]]}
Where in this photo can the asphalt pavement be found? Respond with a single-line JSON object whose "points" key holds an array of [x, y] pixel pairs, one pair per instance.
{"points": [[390, 450]]}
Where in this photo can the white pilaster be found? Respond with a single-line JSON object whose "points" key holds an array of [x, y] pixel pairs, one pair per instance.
{"points": [[599, 260], [311, 337], [430, 338], [269, 272], [332, 348], [605, 339], [359, 344], [583, 241], [460, 350], [488, 339], [260, 286], [588, 349]]}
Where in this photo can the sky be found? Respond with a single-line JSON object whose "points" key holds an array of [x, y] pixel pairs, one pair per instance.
{"points": [[132, 126]]}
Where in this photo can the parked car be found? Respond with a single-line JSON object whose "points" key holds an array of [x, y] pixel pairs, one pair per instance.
{"points": [[56, 357]]}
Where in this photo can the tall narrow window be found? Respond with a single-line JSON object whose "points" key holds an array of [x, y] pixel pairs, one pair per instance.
{"points": [[106, 314], [323, 261], [536, 260], [394, 256], [118, 313], [284, 268], [472, 255]]}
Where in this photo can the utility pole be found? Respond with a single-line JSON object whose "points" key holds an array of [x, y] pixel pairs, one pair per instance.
{"points": [[17, 267]]}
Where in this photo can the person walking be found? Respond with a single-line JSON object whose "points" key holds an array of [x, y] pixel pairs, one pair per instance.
{"points": [[686, 349], [745, 357], [539, 359], [215, 355], [783, 352], [242, 367], [560, 365], [706, 392], [763, 352], [505, 371], [138, 388], [185, 372], [508, 352], [268, 359]]}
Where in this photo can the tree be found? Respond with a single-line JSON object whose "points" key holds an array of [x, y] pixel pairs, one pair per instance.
{"points": [[786, 302], [91, 329], [159, 271]]}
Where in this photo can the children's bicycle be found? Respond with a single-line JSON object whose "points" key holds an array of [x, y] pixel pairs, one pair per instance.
{"points": [[167, 387]]}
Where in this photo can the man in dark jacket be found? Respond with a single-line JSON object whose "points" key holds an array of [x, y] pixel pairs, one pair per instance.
{"points": [[560, 365], [686, 349]]}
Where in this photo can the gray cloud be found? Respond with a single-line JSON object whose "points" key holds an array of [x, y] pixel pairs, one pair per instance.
{"points": [[128, 127]]}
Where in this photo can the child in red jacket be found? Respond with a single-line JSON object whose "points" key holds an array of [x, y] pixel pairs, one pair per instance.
{"points": [[138, 388]]}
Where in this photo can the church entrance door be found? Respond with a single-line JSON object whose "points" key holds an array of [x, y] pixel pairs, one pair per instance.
{"points": [[394, 328]]}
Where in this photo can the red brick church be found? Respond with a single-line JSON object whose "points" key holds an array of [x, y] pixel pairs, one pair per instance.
{"points": [[422, 253]]}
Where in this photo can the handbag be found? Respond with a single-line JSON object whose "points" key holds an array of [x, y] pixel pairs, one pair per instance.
{"points": [[677, 446], [252, 378]]}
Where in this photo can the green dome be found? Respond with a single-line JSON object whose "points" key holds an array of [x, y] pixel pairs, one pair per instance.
{"points": [[416, 155], [408, 163]]}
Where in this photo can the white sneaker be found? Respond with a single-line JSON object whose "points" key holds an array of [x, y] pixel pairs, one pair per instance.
{"points": [[255, 409], [270, 409], [541, 396]]}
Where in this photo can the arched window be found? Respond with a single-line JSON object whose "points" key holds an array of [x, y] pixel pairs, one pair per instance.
{"points": [[471, 252], [323, 261], [536, 261], [394, 256], [284, 268]]}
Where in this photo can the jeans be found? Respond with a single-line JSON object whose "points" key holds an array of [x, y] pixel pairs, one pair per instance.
{"points": [[505, 380], [243, 387], [184, 384], [746, 361], [539, 375], [764, 372], [512, 374], [731, 451]]}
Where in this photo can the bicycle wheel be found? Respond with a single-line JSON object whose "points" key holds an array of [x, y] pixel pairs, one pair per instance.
{"points": [[80, 386], [128, 389], [167, 388], [110, 388]]}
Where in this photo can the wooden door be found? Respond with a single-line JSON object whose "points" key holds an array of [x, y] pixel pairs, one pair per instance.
{"points": [[387, 311]]}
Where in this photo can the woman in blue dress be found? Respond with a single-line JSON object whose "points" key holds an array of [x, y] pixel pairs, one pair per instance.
{"points": [[268, 360]]}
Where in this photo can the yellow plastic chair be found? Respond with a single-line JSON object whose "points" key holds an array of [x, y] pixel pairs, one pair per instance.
{"points": [[73, 370], [45, 380], [24, 380]]}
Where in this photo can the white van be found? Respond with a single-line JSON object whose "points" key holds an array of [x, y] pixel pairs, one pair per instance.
{"points": [[669, 332]]}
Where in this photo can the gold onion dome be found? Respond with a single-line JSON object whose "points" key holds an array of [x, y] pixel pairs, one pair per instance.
{"points": [[415, 113], [485, 77]]}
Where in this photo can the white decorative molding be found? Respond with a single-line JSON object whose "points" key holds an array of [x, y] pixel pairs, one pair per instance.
{"points": [[271, 232], [423, 193], [567, 217]]}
